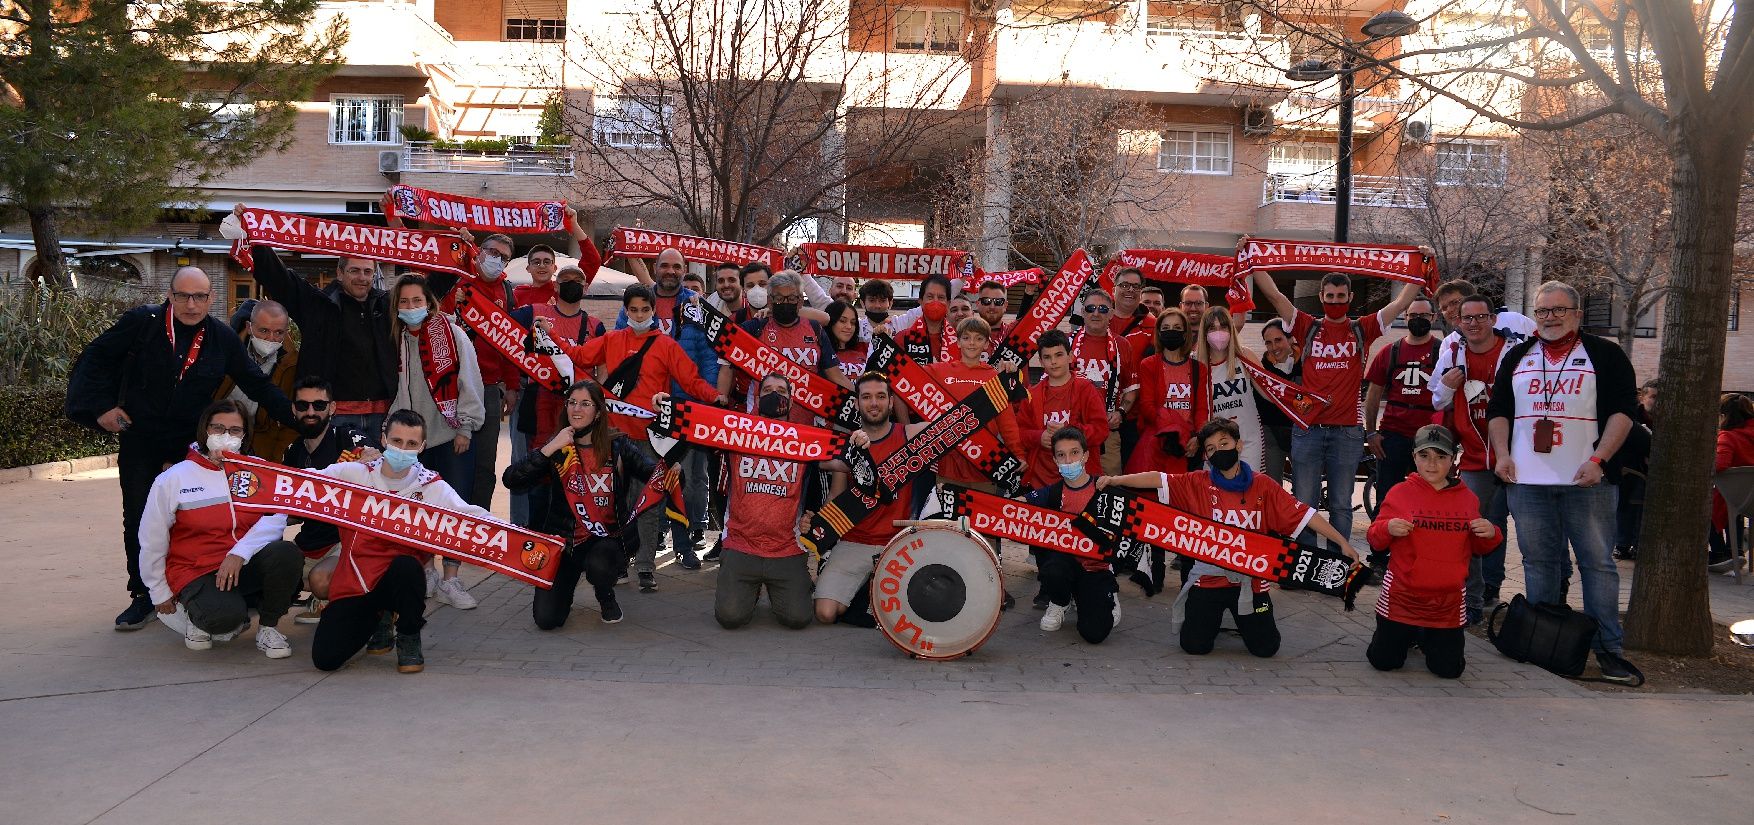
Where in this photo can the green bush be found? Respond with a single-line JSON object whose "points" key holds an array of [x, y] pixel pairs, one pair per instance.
{"points": [[487, 146], [416, 134], [34, 431]]}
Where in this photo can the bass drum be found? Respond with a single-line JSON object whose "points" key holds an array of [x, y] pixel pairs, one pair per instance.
{"points": [[936, 591]]}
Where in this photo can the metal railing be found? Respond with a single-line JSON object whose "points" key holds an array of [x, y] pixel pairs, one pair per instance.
{"points": [[535, 161], [1367, 190]]}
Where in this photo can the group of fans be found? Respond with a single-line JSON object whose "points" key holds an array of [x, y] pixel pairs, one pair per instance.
{"points": [[1506, 415]]}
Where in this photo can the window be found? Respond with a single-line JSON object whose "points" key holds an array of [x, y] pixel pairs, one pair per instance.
{"points": [[1195, 150], [927, 30], [365, 119], [534, 20], [631, 122], [1302, 160], [1476, 163], [364, 207]]}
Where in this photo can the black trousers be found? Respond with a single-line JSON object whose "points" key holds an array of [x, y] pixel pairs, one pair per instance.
{"points": [[138, 463], [1395, 464], [598, 560], [1065, 581], [1443, 647], [269, 582], [347, 624], [1205, 610]]}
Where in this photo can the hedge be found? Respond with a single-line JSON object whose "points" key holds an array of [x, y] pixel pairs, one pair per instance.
{"points": [[33, 429]]}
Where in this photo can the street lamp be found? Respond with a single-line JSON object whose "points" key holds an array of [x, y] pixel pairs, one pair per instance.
{"points": [[1383, 26]]}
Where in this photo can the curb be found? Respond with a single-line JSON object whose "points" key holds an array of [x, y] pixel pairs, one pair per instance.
{"points": [[56, 469]]}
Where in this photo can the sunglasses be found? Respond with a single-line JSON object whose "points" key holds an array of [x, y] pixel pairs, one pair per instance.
{"points": [[993, 302], [319, 406], [1097, 309]]}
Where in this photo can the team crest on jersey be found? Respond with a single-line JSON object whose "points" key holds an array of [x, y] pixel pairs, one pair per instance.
{"points": [[244, 484]]}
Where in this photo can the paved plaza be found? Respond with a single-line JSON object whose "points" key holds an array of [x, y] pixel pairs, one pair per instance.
{"points": [[666, 717]]}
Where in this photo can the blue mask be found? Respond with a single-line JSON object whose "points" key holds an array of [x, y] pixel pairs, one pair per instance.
{"points": [[399, 460], [412, 317], [1071, 472]]}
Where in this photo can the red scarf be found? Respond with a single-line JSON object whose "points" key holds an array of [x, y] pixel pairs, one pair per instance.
{"points": [[835, 260], [1047, 312], [170, 332], [744, 433], [478, 214], [646, 243], [1010, 279], [439, 363], [810, 389], [494, 325], [590, 491], [411, 248], [1298, 404], [1168, 266], [1408, 264]]}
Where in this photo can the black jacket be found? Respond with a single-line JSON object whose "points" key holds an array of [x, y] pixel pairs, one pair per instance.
{"points": [[341, 339], [550, 512], [133, 364], [1616, 389]]}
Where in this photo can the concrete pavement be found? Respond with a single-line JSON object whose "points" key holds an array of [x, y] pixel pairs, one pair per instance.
{"points": [[667, 717]]}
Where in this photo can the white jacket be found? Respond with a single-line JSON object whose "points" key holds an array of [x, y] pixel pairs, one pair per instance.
{"points": [[1513, 327], [200, 496]]}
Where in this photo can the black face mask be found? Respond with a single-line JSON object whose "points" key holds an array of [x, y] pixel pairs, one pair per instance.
{"points": [[312, 430], [1420, 327], [876, 317], [570, 291], [1169, 339], [773, 405], [785, 314], [1223, 460]]}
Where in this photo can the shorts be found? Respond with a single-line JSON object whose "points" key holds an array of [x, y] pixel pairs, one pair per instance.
{"points": [[334, 551], [848, 566]]}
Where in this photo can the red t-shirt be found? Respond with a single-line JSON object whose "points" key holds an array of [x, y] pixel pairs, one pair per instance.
{"points": [[1406, 401], [1334, 363], [1481, 367], [1073, 500], [1105, 359], [852, 359], [878, 527], [1264, 506], [524, 295], [1047, 409], [762, 504]]}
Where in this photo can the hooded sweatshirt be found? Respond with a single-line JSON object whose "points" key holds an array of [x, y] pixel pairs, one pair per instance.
{"points": [[1428, 568]]}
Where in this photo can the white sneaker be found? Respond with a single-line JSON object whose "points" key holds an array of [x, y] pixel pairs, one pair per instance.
{"points": [[451, 592], [1054, 617], [273, 643], [1117, 610], [194, 638], [232, 634], [432, 581]]}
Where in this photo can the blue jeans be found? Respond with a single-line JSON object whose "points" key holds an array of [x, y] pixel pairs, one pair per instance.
{"points": [[1550, 516], [1333, 452], [520, 501], [696, 484], [1488, 570], [1395, 464]]}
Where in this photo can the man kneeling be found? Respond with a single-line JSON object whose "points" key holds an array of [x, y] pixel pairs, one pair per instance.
{"points": [[1067, 579]]}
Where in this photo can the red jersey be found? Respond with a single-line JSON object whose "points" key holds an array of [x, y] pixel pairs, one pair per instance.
{"points": [[524, 295], [1263, 506], [960, 380], [763, 502], [664, 309], [1333, 362], [804, 342], [1403, 370], [1471, 434], [590, 489], [663, 363], [878, 527], [1104, 361], [1073, 500], [1428, 568], [1048, 408], [852, 359], [567, 331]]}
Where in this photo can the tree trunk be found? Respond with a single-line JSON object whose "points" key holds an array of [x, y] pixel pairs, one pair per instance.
{"points": [[1670, 610], [51, 262]]}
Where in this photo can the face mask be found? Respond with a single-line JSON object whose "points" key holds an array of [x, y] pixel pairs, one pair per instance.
{"points": [[1222, 460], [1336, 311], [399, 460], [570, 291], [412, 317], [224, 443], [934, 310], [785, 314], [756, 296], [876, 317], [1420, 327], [264, 348], [1218, 339], [641, 326], [773, 405], [490, 266], [1169, 339], [312, 429], [1070, 472]]}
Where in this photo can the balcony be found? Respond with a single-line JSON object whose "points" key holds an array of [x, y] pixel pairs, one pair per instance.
{"points": [[1304, 204], [523, 160], [1174, 65]]}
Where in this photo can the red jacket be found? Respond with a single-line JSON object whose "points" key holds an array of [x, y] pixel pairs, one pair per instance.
{"points": [[1735, 448], [1428, 568], [1079, 403], [663, 363], [1155, 423]]}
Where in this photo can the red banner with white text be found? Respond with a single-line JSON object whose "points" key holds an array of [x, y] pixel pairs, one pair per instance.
{"points": [[1169, 267], [1395, 262], [476, 214], [412, 248], [833, 260], [647, 243]]}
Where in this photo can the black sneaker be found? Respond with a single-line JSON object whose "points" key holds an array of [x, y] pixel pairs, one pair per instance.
{"points": [[687, 560], [384, 637], [648, 583], [138, 614], [1626, 552], [1009, 601], [698, 539], [857, 619], [1041, 601], [1614, 670], [611, 609], [713, 554], [409, 659]]}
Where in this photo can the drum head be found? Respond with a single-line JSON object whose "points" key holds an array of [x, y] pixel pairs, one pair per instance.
{"points": [[936, 592]]}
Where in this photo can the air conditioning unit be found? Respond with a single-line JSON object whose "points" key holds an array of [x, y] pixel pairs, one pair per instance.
{"points": [[1257, 121], [1416, 131], [390, 161]]}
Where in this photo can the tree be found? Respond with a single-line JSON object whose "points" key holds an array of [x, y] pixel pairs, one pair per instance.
{"points": [[746, 118], [1072, 181], [114, 109], [1683, 73]]}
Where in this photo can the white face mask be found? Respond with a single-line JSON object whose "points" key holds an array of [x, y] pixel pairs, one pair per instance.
{"points": [[490, 266], [757, 296], [264, 348], [224, 443]]}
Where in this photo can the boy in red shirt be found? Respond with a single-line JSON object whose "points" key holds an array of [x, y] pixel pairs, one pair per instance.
{"points": [[1431, 527], [1064, 578], [1060, 399]]}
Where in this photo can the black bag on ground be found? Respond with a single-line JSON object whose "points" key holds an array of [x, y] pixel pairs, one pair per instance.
{"points": [[1552, 636]]}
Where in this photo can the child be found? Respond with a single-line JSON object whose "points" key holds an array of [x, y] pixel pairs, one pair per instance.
{"points": [[1432, 528], [1064, 577]]}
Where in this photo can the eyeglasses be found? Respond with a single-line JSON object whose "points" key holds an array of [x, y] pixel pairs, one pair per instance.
{"points": [[994, 302], [1097, 309], [191, 297], [1475, 319], [319, 406], [215, 429], [492, 253], [580, 403], [359, 270], [1129, 286], [1552, 312]]}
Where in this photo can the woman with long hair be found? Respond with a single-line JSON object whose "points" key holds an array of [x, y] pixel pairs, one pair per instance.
{"points": [[843, 337], [1169, 410], [439, 379], [579, 484], [1230, 392]]}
